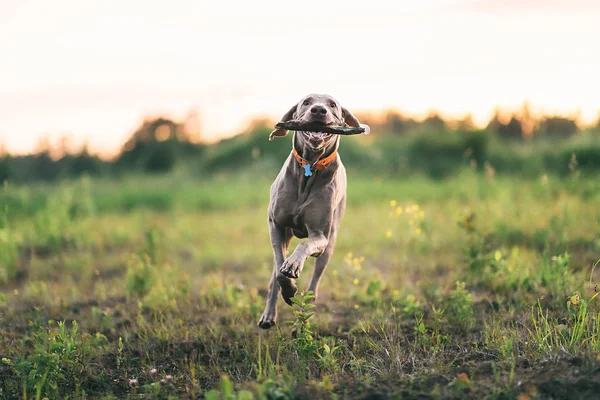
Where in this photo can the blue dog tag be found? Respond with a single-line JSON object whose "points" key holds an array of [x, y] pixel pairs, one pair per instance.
{"points": [[307, 171]]}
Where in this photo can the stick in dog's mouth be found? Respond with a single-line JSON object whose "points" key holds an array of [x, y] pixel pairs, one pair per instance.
{"points": [[317, 127]]}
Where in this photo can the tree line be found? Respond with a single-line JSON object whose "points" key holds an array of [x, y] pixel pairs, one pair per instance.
{"points": [[160, 143]]}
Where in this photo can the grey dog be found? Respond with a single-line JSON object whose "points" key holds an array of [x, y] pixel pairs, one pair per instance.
{"points": [[308, 199]]}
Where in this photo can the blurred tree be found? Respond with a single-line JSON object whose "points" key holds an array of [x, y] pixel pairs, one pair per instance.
{"points": [[435, 122], [528, 121], [396, 123], [595, 128], [43, 165], [84, 163], [4, 164], [510, 130], [191, 128], [259, 123], [158, 143], [466, 123], [557, 127]]}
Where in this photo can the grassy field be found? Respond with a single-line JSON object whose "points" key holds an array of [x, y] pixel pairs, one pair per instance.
{"points": [[471, 287]]}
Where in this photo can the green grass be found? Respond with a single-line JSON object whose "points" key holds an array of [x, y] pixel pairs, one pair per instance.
{"points": [[476, 286]]}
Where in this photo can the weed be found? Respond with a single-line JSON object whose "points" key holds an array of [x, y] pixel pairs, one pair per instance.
{"points": [[139, 276], [9, 251], [60, 358], [580, 330], [304, 342], [267, 390], [459, 308]]}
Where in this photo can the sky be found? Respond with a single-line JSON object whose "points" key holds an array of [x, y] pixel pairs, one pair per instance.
{"points": [[92, 70]]}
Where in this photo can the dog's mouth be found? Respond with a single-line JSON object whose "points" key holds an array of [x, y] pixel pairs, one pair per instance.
{"points": [[317, 139]]}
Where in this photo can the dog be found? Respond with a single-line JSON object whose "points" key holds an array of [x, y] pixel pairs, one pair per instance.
{"points": [[308, 199]]}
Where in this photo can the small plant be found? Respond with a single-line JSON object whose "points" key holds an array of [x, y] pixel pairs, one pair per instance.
{"points": [[460, 308], [410, 305], [554, 274], [581, 329], [153, 245], [478, 250], [59, 359], [8, 250], [304, 342], [82, 200], [139, 276], [54, 226], [120, 353], [326, 357], [227, 392], [438, 338], [422, 339]]}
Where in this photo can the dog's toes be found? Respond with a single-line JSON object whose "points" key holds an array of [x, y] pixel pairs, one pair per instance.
{"points": [[290, 274], [267, 321], [290, 269]]}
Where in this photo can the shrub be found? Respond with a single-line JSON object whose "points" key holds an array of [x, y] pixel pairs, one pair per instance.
{"points": [[459, 308]]}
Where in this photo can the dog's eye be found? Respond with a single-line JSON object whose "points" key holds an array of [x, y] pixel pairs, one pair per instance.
{"points": [[306, 102], [332, 105]]}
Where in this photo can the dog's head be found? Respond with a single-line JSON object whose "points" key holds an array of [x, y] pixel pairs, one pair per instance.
{"points": [[317, 108]]}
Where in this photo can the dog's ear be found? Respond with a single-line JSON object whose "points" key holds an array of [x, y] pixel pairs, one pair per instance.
{"points": [[280, 132], [352, 121]]}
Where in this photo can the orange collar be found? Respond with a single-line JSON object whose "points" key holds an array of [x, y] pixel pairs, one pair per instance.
{"points": [[319, 165]]}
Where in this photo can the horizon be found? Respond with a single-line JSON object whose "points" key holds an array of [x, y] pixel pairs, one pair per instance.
{"points": [[94, 72]]}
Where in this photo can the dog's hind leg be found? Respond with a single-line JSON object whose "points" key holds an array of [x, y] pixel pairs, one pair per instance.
{"points": [[321, 263], [280, 240]]}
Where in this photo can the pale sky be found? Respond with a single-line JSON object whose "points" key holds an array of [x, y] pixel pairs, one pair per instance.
{"points": [[93, 69]]}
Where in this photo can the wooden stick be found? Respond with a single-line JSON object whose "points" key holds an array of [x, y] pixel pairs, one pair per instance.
{"points": [[295, 125]]}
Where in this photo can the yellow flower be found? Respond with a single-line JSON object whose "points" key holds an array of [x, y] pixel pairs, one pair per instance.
{"points": [[356, 281], [361, 259], [335, 272], [388, 234], [422, 213], [575, 299], [356, 306], [393, 203], [16, 292], [399, 210], [396, 292], [349, 255], [418, 231]]}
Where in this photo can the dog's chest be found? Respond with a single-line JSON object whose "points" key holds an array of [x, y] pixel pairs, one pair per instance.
{"points": [[299, 215]]}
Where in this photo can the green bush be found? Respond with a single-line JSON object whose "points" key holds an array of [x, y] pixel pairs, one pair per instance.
{"points": [[459, 308], [442, 153]]}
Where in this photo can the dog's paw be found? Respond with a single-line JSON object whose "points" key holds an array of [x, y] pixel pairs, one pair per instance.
{"points": [[288, 288], [292, 267], [267, 320]]}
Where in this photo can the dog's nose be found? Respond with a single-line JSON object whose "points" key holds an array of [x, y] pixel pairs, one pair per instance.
{"points": [[317, 109]]}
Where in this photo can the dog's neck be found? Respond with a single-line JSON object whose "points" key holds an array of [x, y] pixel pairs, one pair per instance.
{"points": [[309, 154]]}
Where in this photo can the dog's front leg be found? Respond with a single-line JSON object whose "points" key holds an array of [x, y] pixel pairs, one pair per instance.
{"points": [[280, 240], [314, 245]]}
